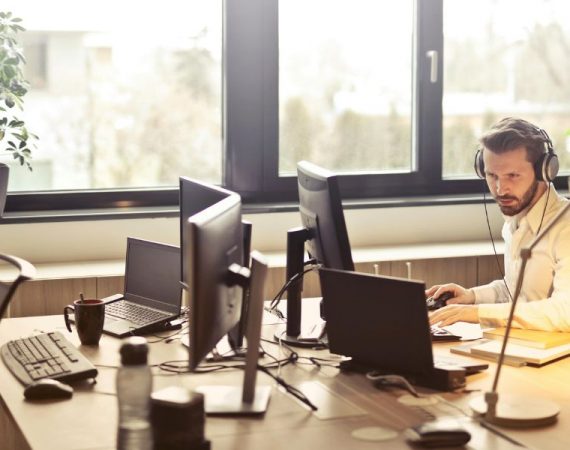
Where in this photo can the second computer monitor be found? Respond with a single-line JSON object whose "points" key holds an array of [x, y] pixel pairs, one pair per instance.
{"points": [[323, 235], [322, 214]]}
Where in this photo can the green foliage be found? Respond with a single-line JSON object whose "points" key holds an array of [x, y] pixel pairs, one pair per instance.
{"points": [[14, 136]]}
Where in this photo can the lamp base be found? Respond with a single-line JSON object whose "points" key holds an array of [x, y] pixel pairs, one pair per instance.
{"points": [[517, 411]]}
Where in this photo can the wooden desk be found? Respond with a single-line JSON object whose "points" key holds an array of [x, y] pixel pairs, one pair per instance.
{"points": [[89, 419]]}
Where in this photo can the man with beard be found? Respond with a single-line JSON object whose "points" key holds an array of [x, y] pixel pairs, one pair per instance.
{"points": [[518, 162]]}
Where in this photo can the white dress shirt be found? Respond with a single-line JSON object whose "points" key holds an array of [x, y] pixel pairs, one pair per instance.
{"points": [[544, 301]]}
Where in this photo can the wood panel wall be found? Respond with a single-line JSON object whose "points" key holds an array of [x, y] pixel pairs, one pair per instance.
{"points": [[46, 297]]}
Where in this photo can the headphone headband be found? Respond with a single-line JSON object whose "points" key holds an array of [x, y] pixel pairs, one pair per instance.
{"points": [[545, 168]]}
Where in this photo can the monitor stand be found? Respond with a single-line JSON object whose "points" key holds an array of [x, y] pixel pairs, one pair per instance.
{"points": [[314, 336], [228, 400], [292, 334], [246, 399]]}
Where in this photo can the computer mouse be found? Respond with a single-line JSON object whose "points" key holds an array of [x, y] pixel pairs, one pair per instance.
{"points": [[46, 388], [438, 434], [440, 302]]}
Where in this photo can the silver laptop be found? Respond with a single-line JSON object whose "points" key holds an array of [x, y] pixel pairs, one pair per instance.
{"points": [[153, 293]]}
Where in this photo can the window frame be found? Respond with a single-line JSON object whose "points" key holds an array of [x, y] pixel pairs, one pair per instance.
{"points": [[250, 130]]}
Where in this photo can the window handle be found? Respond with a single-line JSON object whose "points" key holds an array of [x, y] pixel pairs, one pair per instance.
{"points": [[432, 55]]}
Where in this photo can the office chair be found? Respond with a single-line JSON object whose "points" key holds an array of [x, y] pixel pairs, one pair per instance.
{"points": [[26, 271]]}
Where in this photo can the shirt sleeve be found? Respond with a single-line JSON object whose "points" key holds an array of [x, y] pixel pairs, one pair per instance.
{"points": [[494, 292]]}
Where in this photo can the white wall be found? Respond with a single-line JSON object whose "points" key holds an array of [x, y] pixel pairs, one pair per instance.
{"points": [[105, 239]]}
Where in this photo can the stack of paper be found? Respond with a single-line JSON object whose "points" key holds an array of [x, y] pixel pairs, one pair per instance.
{"points": [[529, 338], [539, 352], [530, 355]]}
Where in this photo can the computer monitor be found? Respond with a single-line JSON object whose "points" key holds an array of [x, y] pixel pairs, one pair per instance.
{"points": [[324, 235], [196, 196], [213, 243]]}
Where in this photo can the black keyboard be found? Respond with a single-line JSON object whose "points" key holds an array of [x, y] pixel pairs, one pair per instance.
{"points": [[46, 355], [134, 313], [440, 334]]}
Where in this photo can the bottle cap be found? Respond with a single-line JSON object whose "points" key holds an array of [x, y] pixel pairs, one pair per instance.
{"points": [[134, 351]]}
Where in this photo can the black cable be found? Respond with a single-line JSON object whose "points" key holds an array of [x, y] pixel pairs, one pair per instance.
{"points": [[272, 308], [493, 243], [170, 337], [181, 366], [289, 388], [544, 210], [294, 279]]}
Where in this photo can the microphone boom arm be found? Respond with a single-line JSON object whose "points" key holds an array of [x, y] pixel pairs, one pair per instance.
{"points": [[491, 398]]}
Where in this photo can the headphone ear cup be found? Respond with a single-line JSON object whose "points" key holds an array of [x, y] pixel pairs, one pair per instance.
{"points": [[547, 166], [479, 164]]}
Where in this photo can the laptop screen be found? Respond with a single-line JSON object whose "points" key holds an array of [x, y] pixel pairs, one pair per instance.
{"points": [[381, 322], [152, 275]]}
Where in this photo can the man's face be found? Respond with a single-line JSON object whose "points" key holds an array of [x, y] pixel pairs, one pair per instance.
{"points": [[511, 180]]}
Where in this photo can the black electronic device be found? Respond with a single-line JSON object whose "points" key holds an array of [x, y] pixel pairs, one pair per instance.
{"points": [[323, 233], [382, 324], [213, 243], [439, 302], [196, 196], [439, 334], [440, 433], [47, 389], [152, 295]]}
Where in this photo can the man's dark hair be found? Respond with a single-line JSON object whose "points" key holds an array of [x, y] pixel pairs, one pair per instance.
{"points": [[511, 133]]}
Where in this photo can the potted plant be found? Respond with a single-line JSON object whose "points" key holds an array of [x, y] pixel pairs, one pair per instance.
{"points": [[14, 136]]}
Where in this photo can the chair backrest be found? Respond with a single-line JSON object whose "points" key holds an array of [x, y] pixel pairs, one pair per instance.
{"points": [[26, 271]]}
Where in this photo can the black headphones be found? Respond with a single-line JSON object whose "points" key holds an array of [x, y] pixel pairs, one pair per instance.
{"points": [[545, 168]]}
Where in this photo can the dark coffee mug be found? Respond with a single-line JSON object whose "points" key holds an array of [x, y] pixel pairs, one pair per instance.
{"points": [[89, 319]]}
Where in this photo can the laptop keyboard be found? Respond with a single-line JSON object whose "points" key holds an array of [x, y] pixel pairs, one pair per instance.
{"points": [[134, 313], [441, 334]]}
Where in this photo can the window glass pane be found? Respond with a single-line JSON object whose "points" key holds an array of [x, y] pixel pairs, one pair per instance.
{"points": [[123, 94], [345, 84], [504, 58]]}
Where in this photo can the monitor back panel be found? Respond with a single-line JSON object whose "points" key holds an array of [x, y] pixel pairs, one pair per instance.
{"points": [[381, 322]]}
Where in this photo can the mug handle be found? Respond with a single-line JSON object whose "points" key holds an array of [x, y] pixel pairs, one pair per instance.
{"points": [[66, 316]]}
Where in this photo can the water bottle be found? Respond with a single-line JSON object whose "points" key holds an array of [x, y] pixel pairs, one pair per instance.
{"points": [[134, 386]]}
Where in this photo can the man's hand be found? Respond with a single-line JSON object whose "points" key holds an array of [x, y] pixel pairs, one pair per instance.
{"points": [[460, 294], [454, 313]]}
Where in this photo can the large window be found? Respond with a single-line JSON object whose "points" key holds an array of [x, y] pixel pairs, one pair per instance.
{"points": [[122, 94], [504, 58], [393, 95], [345, 84]]}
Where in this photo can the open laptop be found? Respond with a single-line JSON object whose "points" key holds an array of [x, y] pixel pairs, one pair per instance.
{"points": [[382, 323], [153, 293]]}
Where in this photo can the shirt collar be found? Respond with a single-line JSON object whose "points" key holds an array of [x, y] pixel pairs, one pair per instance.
{"points": [[534, 216]]}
